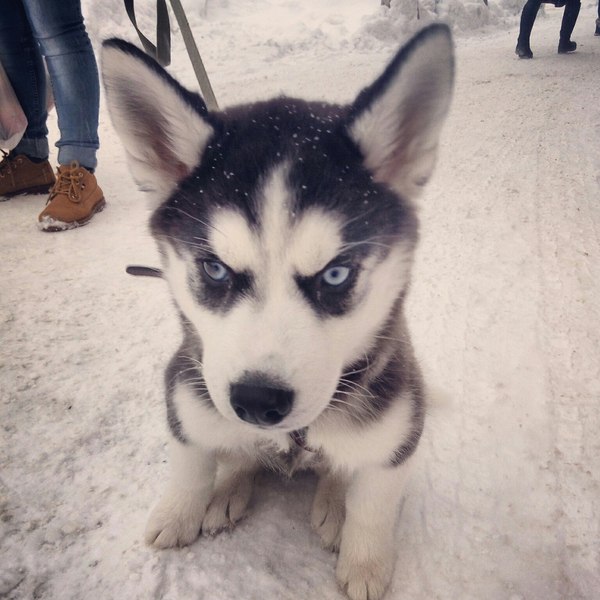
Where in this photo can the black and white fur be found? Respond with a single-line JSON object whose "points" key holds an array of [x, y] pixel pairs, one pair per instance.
{"points": [[287, 233]]}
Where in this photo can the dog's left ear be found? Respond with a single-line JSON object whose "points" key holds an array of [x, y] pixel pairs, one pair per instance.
{"points": [[396, 122], [164, 127]]}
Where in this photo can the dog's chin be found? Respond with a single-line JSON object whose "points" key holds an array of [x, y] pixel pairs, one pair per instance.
{"points": [[296, 422], [285, 426]]}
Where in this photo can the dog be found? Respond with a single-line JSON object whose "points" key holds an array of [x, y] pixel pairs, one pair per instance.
{"points": [[286, 230]]}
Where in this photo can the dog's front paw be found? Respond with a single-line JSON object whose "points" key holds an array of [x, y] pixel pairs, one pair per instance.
{"points": [[364, 576], [328, 513], [176, 519], [229, 504]]}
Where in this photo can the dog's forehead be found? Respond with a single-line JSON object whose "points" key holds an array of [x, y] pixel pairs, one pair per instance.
{"points": [[285, 118], [266, 158], [302, 243], [281, 181]]}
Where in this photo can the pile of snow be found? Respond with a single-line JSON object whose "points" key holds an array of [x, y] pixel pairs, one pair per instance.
{"points": [[289, 26]]}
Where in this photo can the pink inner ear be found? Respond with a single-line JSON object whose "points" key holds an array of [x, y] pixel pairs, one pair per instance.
{"points": [[173, 167], [387, 171], [396, 160], [407, 147], [180, 170]]}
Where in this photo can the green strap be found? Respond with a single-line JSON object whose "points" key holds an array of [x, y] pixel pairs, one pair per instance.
{"points": [[192, 49], [162, 51]]}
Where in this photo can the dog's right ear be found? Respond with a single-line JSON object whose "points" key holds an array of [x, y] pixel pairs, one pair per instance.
{"points": [[164, 127]]}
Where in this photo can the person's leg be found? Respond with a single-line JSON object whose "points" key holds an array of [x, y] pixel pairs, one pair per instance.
{"points": [[59, 30], [568, 24], [24, 66], [597, 32], [25, 170], [530, 11]]}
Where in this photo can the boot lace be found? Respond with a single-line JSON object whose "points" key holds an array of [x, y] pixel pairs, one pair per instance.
{"points": [[5, 163], [68, 182]]}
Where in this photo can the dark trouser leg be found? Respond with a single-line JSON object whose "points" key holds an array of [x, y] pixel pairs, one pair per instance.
{"points": [[569, 19], [23, 64], [530, 11]]}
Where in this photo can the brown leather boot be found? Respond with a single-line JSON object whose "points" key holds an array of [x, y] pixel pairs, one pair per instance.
{"points": [[19, 175], [75, 198]]}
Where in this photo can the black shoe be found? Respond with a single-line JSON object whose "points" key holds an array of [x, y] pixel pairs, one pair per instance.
{"points": [[597, 32], [523, 51], [565, 46]]}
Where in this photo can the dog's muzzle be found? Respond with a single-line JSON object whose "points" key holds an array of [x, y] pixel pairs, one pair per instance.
{"points": [[259, 404]]}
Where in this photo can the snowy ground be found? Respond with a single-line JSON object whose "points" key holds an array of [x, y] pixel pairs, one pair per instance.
{"points": [[505, 313]]}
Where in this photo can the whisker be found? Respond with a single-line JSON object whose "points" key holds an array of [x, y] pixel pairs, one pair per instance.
{"points": [[402, 340], [331, 408], [357, 385], [350, 395], [356, 416], [361, 405], [205, 247], [192, 368], [183, 212], [350, 245], [192, 359], [356, 372], [196, 381]]}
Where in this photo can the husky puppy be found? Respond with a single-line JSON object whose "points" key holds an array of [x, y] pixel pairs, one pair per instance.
{"points": [[287, 230]]}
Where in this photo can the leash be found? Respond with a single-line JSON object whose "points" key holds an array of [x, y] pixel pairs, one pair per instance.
{"points": [[162, 51], [192, 50], [143, 271]]}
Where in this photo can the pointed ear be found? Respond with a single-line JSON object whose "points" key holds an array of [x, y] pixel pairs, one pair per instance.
{"points": [[164, 127], [396, 122]]}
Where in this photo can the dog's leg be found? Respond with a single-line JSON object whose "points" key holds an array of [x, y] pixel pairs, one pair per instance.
{"points": [[367, 550], [176, 519], [232, 493], [329, 509]]}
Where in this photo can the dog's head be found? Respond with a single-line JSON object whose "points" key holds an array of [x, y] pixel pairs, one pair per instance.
{"points": [[286, 227]]}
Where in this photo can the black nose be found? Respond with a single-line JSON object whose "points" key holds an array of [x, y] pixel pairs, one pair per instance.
{"points": [[260, 405]]}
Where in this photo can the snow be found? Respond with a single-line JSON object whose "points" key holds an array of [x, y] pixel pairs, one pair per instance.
{"points": [[504, 310]]}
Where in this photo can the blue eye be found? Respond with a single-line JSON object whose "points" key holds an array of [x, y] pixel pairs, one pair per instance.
{"points": [[336, 275], [216, 270]]}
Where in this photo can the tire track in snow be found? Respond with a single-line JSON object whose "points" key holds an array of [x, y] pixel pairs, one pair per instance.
{"points": [[570, 314], [498, 317]]}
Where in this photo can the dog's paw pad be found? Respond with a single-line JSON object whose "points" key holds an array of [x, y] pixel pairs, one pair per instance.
{"points": [[327, 519], [228, 506], [218, 517], [328, 513], [363, 580], [175, 521]]}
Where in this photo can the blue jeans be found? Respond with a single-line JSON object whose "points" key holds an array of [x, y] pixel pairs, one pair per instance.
{"points": [[54, 30]]}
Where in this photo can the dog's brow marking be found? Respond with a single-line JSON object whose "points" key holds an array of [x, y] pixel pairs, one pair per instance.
{"points": [[234, 242], [315, 242], [305, 246], [275, 214]]}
